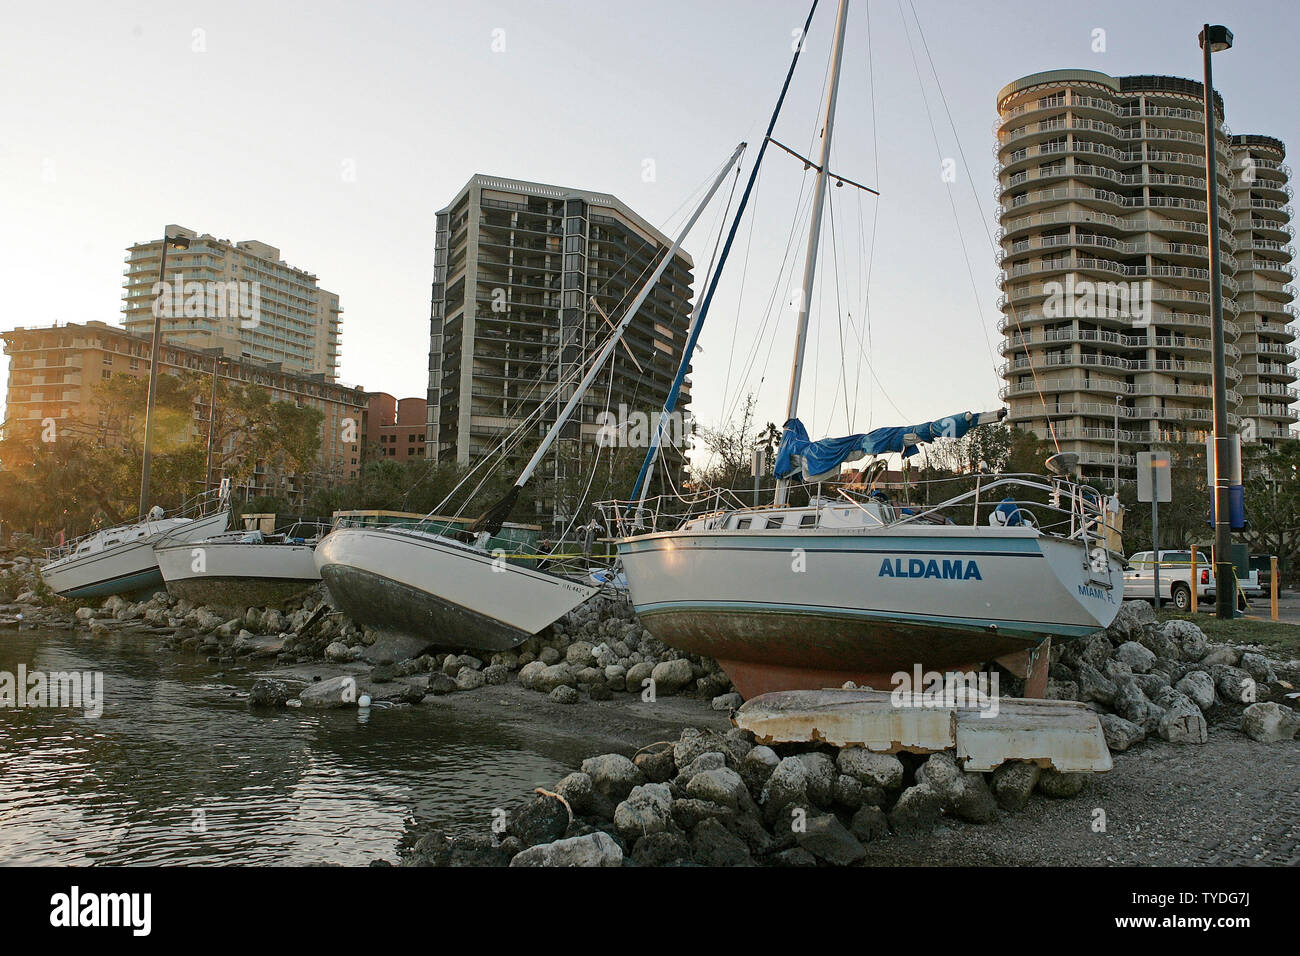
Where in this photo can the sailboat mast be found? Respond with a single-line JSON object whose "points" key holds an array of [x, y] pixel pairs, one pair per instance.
{"points": [[622, 326], [814, 232]]}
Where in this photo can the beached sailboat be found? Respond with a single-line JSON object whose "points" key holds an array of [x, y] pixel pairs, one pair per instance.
{"points": [[240, 569], [121, 560], [408, 580], [850, 587]]}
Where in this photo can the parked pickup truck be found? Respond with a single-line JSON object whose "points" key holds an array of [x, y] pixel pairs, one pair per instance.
{"points": [[1176, 578], [1261, 566]]}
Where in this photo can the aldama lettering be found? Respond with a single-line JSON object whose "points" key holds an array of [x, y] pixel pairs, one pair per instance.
{"points": [[954, 569]]}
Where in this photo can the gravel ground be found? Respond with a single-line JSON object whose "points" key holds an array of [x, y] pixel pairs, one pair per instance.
{"points": [[1229, 802]]}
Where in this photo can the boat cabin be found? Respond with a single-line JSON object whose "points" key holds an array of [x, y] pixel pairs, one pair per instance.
{"points": [[818, 513]]}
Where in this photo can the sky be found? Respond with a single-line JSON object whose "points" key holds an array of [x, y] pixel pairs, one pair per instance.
{"points": [[334, 131]]}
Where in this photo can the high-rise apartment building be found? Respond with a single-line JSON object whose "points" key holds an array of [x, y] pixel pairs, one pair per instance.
{"points": [[240, 297], [528, 280], [1105, 254]]}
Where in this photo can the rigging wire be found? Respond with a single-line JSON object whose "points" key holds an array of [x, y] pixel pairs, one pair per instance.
{"points": [[740, 297], [984, 221], [660, 458], [934, 132], [875, 218]]}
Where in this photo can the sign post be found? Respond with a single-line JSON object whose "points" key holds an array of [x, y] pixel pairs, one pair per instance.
{"points": [[1154, 486], [758, 468]]}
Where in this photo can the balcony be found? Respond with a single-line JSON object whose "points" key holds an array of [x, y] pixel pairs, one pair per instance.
{"points": [[1270, 390], [1268, 370], [1275, 227]]}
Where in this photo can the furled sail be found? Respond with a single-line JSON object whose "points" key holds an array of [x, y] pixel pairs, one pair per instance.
{"points": [[819, 460]]}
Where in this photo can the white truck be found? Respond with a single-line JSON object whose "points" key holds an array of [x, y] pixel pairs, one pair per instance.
{"points": [[1176, 579]]}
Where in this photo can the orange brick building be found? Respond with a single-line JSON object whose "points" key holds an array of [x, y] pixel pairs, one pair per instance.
{"points": [[395, 428]]}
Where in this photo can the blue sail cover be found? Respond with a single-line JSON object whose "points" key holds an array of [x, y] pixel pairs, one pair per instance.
{"points": [[818, 460]]}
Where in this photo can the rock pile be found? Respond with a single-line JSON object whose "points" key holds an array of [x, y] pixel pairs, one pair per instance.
{"points": [[1147, 679], [600, 647], [20, 581], [597, 651], [715, 799]]}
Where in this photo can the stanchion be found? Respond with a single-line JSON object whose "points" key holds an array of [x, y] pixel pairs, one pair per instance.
{"points": [[1273, 585]]}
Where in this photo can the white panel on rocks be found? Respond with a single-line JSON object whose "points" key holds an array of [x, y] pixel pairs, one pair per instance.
{"points": [[1063, 735]]}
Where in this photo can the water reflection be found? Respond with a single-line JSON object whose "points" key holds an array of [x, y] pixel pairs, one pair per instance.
{"points": [[178, 770]]}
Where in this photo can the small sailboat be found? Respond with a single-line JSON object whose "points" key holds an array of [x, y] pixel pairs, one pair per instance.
{"points": [[241, 569], [852, 587], [121, 560], [409, 580]]}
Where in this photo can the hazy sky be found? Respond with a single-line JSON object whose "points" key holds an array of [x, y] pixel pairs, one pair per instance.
{"points": [[245, 120]]}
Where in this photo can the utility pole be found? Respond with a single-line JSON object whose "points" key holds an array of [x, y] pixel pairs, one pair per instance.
{"points": [[181, 242]]}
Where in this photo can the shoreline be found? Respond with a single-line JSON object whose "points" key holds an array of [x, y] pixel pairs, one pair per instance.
{"points": [[672, 782]]}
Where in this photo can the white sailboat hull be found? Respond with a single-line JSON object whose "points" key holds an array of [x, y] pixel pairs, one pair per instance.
{"points": [[813, 608], [428, 586], [129, 565], [236, 574]]}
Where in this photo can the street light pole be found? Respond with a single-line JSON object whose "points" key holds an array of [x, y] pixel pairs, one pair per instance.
{"points": [[181, 242], [212, 419], [1214, 39], [1118, 399]]}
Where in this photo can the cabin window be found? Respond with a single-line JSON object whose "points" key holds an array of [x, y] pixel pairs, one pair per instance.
{"points": [[808, 521], [743, 523]]}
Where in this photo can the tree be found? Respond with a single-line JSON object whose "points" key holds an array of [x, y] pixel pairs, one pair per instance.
{"points": [[1272, 489], [731, 449], [1184, 519], [252, 430], [88, 476]]}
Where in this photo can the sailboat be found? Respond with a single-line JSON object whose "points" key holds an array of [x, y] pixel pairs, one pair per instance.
{"points": [[408, 580], [852, 588], [241, 569], [121, 560]]}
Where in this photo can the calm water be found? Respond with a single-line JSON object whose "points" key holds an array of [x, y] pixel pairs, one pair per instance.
{"points": [[286, 787]]}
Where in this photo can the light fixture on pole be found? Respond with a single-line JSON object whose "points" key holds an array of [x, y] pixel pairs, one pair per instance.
{"points": [[216, 354], [1118, 400], [1214, 39], [177, 242]]}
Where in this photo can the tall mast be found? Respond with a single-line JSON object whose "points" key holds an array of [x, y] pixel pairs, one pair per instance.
{"points": [[814, 232], [642, 485]]}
